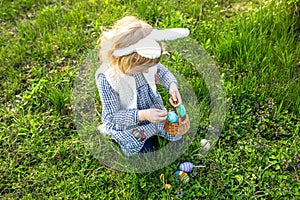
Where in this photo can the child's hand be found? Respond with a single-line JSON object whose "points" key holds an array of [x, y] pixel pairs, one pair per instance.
{"points": [[175, 98], [153, 115]]}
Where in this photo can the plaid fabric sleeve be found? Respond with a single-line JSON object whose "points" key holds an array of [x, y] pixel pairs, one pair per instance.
{"points": [[165, 77], [111, 111]]}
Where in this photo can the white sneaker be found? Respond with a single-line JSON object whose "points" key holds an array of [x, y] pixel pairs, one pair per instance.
{"points": [[102, 130]]}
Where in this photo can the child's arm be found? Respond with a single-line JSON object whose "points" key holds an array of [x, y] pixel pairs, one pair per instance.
{"points": [[175, 98], [111, 107], [167, 79], [153, 115]]}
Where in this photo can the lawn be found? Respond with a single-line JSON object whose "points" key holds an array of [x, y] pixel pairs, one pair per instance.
{"points": [[256, 48]]}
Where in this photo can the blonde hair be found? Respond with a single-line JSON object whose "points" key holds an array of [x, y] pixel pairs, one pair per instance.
{"points": [[125, 32]]}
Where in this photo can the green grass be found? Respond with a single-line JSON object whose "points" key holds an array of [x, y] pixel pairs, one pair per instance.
{"points": [[256, 47]]}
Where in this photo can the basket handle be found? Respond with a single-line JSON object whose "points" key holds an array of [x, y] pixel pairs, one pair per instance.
{"points": [[178, 115]]}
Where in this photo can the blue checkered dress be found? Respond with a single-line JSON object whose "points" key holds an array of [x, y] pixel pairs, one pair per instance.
{"points": [[120, 124]]}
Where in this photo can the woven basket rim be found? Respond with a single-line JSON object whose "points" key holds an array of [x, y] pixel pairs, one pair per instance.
{"points": [[174, 128]]}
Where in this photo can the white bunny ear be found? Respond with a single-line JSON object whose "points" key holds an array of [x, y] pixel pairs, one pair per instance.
{"points": [[168, 34], [125, 51], [146, 47]]}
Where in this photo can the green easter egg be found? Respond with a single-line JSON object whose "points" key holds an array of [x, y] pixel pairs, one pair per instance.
{"points": [[181, 110]]}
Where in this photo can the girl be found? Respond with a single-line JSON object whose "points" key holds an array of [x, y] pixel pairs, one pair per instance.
{"points": [[132, 109]]}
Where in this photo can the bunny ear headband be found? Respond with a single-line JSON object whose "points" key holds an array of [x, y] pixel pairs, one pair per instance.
{"points": [[148, 47]]}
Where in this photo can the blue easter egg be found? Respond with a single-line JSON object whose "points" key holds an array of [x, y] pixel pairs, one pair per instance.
{"points": [[181, 110], [172, 117], [186, 166]]}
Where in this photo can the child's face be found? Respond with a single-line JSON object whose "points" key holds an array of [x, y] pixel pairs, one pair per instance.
{"points": [[140, 69]]}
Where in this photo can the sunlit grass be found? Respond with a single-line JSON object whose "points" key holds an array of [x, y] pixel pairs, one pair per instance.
{"points": [[256, 48]]}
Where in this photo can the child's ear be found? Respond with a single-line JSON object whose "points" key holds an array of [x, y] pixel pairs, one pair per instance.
{"points": [[115, 57]]}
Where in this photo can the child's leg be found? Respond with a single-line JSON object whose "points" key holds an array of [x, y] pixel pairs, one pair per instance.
{"points": [[148, 146]]}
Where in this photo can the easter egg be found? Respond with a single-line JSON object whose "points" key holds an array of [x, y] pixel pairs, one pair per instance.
{"points": [[182, 177], [181, 110], [186, 166], [205, 144], [172, 117]]}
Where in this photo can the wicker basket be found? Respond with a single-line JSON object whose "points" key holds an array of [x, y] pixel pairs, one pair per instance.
{"points": [[179, 128]]}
